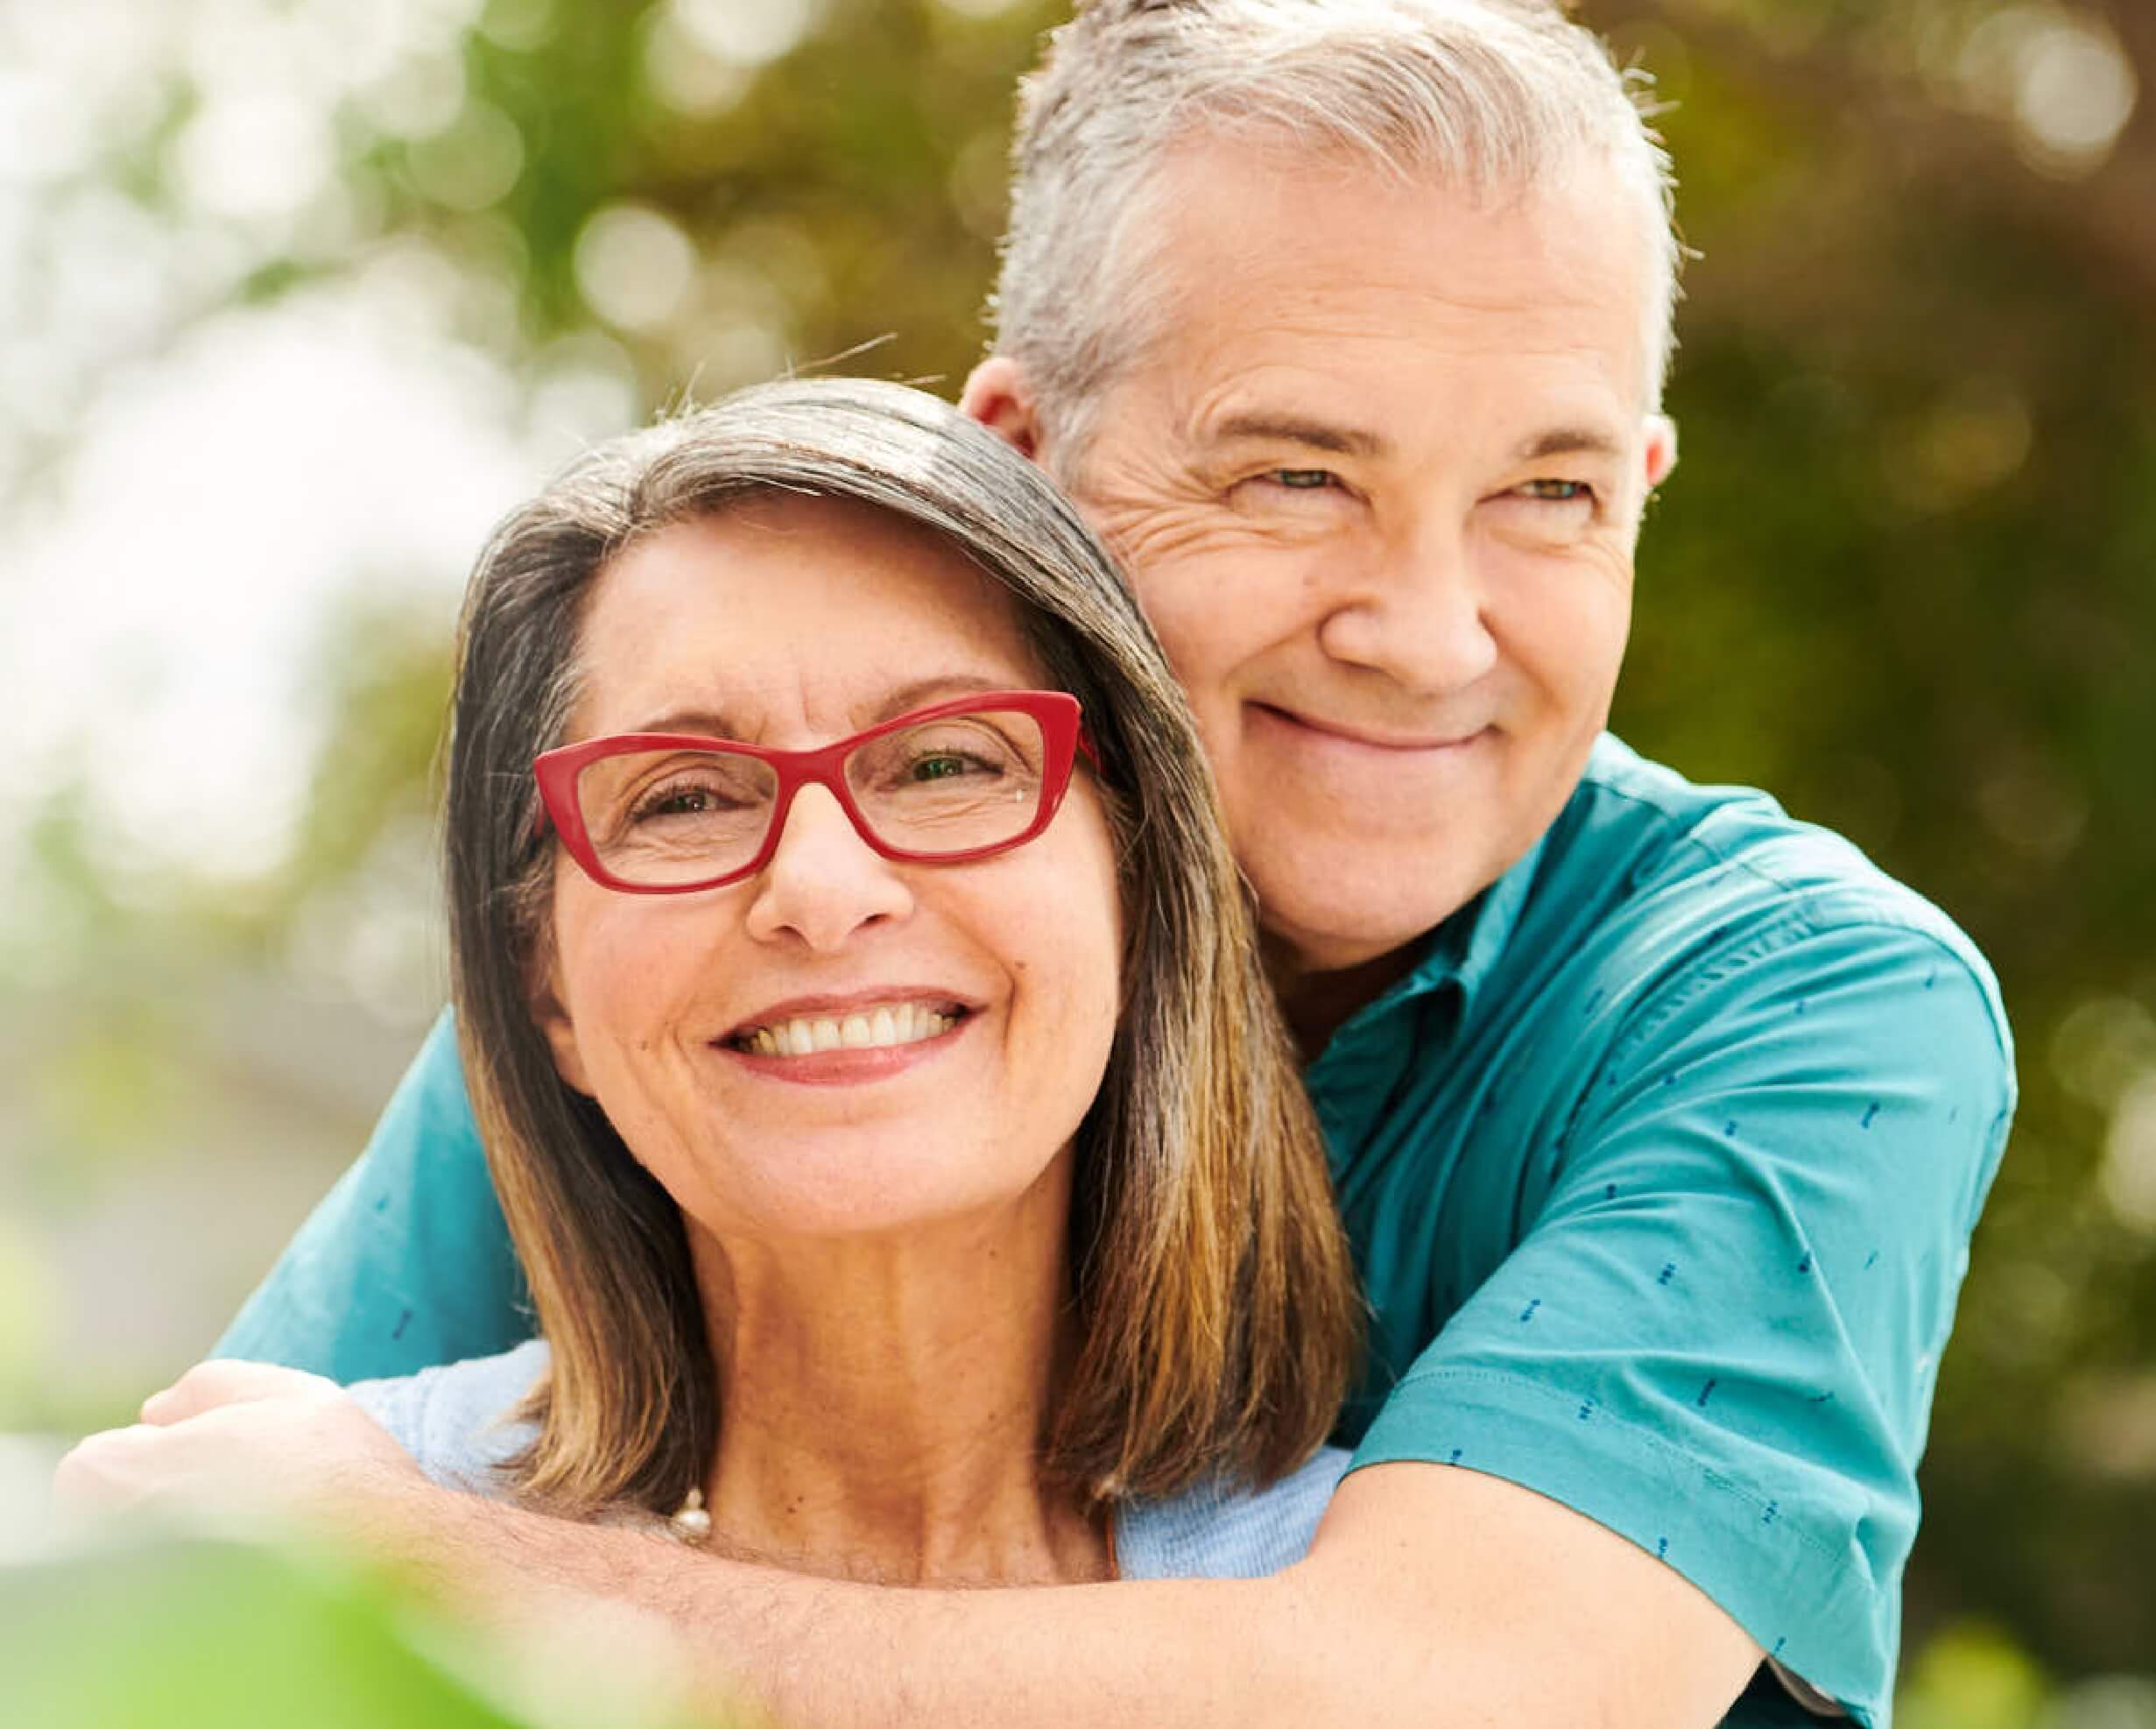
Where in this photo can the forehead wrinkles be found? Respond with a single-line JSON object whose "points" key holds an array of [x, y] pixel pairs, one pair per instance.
{"points": [[1255, 252], [815, 617]]}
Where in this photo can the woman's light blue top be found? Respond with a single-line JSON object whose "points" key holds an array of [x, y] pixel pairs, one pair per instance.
{"points": [[459, 1423]]}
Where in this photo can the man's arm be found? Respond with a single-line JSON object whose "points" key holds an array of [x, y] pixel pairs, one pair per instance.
{"points": [[406, 1262], [1827, 1098], [1702, 1379], [1433, 1598], [1718, 1334]]}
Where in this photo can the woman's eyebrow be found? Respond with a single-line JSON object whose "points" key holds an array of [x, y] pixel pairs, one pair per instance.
{"points": [[915, 693], [703, 722], [920, 692]]}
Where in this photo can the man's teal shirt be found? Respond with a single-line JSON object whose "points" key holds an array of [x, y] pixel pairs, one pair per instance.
{"points": [[1660, 1169]]}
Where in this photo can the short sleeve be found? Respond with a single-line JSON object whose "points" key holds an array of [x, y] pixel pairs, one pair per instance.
{"points": [[1220, 1531], [406, 1261], [1719, 1335], [460, 1422]]}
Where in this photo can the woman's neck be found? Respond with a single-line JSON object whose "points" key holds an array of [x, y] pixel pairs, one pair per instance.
{"points": [[883, 1403]]}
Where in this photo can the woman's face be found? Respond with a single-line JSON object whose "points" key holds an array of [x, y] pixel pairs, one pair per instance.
{"points": [[789, 623]]}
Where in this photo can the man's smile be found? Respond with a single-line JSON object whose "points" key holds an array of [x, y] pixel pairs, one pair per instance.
{"points": [[1399, 740]]}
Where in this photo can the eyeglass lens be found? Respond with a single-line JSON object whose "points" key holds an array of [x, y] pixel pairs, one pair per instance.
{"points": [[948, 785]]}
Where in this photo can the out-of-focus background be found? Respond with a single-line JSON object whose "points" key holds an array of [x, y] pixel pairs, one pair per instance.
{"points": [[296, 296]]}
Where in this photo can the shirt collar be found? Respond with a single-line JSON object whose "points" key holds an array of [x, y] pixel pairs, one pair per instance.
{"points": [[1464, 951]]}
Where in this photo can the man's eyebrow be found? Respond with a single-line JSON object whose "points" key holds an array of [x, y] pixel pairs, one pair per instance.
{"points": [[1580, 440], [1297, 429]]}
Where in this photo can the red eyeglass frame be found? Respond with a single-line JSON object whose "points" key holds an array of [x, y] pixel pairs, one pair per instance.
{"points": [[1054, 711]]}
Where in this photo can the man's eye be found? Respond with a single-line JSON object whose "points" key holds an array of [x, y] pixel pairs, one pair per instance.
{"points": [[1556, 491], [1301, 480]]}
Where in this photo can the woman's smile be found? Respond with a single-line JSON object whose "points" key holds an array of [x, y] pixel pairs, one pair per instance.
{"points": [[843, 1043]]}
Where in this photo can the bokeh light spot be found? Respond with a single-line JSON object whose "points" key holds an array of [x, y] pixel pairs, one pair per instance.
{"points": [[685, 74], [472, 163], [252, 156], [2060, 77], [2130, 1156], [635, 267], [747, 32]]}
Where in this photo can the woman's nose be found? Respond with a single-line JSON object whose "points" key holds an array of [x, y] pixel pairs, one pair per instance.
{"points": [[824, 882]]}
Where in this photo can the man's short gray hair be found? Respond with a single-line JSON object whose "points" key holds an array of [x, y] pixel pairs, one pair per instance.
{"points": [[1488, 97]]}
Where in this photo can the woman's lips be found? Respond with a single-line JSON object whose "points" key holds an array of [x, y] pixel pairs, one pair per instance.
{"points": [[826, 1041]]}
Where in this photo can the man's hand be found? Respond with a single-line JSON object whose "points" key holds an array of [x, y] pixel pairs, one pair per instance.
{"points": [[245, 1437], [1433, 1598]]}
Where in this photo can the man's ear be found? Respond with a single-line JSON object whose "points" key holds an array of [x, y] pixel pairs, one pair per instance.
{"points": [[554, 1020], [1000, 396], [1661, 449]]}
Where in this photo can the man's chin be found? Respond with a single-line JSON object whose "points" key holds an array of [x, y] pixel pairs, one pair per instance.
{"points": [[1329, 914]]}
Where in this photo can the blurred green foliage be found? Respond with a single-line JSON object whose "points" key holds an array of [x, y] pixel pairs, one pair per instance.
{"points": [[1903, 577], [315, 1649], [195, 1635]]}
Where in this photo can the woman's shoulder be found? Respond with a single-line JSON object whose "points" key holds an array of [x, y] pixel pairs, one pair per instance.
{"points": [[459, 1422], [1221, 1532]]}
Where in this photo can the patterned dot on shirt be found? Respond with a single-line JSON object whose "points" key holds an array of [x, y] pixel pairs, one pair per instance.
{"points": [[1661, 1549], [1527, 1314], [1871, 1114], [1707, 1391], [1805, 1266], [1668, 1272]]}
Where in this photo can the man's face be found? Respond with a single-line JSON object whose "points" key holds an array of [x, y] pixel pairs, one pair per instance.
{"points": [[1379, 489]]}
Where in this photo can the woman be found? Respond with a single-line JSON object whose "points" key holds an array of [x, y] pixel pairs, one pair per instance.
{"points": [[861, 1011]]}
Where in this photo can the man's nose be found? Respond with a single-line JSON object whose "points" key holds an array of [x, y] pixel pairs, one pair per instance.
{"points": [[824, 882], [1415, 608]]}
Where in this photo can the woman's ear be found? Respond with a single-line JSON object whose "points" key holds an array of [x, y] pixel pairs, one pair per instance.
{"points": [[561, 1030]]}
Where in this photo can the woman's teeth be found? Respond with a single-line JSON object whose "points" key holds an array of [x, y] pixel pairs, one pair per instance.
{"points": [[899, 1024]]}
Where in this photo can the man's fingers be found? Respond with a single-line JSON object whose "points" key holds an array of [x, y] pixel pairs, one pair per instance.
{"points": [[225, 1381], [101, 1474]]}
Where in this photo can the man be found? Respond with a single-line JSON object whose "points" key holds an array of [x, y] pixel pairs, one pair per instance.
{"points": [[1660, 1121]]}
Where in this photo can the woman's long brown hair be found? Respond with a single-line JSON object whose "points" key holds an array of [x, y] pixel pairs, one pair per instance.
{"points": [[1217, 1321]]}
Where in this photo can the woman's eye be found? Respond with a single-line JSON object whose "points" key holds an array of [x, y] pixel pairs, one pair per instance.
{"points": [[675, 801], [685, 800], [944, 767]]}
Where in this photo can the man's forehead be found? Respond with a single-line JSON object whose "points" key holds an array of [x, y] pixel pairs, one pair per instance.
{"points": [[1287, 268]]}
